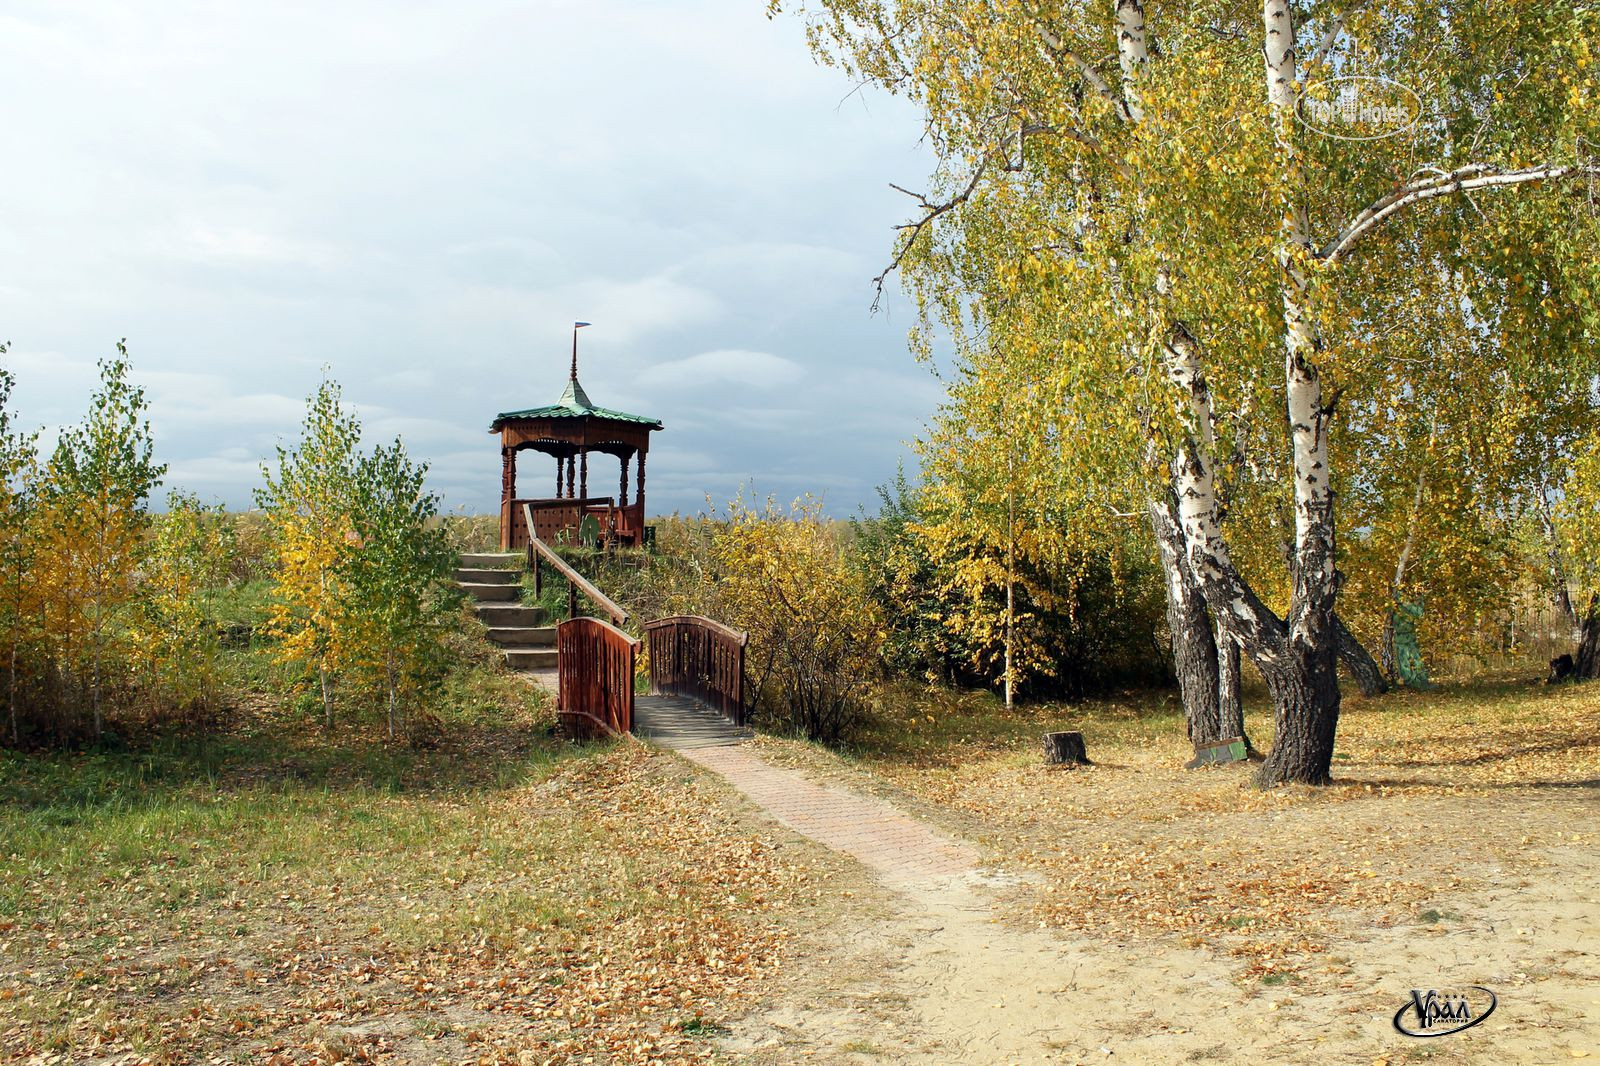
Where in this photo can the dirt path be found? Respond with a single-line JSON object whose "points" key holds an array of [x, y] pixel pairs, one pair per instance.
{"points": [[936, 969]]}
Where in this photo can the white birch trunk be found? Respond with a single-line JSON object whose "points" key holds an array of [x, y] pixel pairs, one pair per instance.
{"points": [[1306, 690], [1133, 51]]}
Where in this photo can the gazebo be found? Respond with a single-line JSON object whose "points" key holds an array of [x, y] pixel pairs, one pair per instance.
{"points": [[569, 430]]}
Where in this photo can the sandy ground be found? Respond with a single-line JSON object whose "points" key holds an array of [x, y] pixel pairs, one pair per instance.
{"points": [[945, 970]]}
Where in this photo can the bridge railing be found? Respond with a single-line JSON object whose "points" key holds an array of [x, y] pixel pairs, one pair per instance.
{"points": [[594, 677], [540, 553], [696, 657]]}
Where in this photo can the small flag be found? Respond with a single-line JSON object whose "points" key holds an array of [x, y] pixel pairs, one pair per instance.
{"points": [[579, 325]]}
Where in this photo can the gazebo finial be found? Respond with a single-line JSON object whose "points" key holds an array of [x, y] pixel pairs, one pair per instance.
{"points": [[576, 326]]}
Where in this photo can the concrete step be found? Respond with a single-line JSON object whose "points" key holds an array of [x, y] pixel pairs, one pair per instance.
{"points": [[523, 636], [492, 593], [493, 560], [530, 658], [549, 680], [511, 616], [481, 576]]}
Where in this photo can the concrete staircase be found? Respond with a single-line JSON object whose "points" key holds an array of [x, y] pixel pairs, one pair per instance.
{"points": [[495, 582]]}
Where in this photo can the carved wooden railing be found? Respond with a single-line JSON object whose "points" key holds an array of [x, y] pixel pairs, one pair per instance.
{"points": [[595, 667], [696, 657], [540, 553], [556, 519]]}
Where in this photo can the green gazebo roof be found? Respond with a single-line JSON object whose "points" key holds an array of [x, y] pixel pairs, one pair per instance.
{"points": [[575, 403]]}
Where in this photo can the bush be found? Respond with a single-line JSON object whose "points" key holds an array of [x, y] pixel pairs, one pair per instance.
{"points": [[785, 578], [1088, 609]]}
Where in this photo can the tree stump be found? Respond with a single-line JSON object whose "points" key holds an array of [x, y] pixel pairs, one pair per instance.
{"points": [[1065, 749]]}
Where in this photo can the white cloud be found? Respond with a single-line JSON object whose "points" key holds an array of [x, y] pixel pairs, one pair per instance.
{"points": [[184, 401], [233, 243], [628, 310], [213, 474], [733, 366]]}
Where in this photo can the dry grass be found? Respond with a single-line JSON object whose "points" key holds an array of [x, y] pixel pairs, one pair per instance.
{"points": [[1436, 796], [269, 896]]}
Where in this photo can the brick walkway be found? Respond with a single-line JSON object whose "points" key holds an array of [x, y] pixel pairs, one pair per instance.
{"points": [[896, 847]]}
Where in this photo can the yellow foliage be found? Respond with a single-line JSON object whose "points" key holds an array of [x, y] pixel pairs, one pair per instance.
{"points": [[784, 578]]}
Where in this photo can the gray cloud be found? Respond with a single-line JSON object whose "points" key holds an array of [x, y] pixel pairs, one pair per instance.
{"points": [[423, 197]]}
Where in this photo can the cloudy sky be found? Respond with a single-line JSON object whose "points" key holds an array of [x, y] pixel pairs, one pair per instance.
{"points": [[424, 196]]}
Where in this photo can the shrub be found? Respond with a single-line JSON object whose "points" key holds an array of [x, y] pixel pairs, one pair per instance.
{"points": [[174, 630], [785, 578]]}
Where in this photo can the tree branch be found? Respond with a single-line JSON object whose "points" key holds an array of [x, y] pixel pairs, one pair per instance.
{"points": [[1096, 81], [1330, 37], [930, 212], [1463, 179]]}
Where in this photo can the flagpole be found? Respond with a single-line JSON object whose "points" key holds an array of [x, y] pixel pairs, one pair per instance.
{"points": [[576, 326]]}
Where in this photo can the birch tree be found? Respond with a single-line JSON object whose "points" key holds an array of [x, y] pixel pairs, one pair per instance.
{"points": [[397, 580], [1134, 181], [18, 612], [174, 628], [308, 504], [93, 514]]}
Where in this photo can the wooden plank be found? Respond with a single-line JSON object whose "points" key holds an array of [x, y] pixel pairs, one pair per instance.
{"points": [[701, 659], [595, 669]]}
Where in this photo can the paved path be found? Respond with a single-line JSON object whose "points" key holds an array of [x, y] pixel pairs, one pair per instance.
{"points": [[895, 846]]}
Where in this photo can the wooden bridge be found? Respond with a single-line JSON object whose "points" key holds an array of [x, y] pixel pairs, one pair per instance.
{"points": [[696, 665]]}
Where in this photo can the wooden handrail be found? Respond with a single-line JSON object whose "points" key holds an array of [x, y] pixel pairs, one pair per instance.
{"points": [[562, 567], [594, 677], [619, 635], [700, 620], [568, 501]]}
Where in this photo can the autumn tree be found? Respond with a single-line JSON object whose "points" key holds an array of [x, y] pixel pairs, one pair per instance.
{"points": [[18, 616], [308, 503], [1577, 519], [174, 627], [901, 574], [1132, 183], [396, 580], [784, 578], [93, 520]]}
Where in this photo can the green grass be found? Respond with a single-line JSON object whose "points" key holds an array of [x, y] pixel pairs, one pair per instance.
{"points": [[242, 604], [271, 796], [698, 1026], [124, 868]]}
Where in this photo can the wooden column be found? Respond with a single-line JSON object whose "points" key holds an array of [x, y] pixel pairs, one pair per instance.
{"points": [[508, 474], [558, 477], [572, 465], [639, 496], [508, 492], [622, 486], [583, 474]]}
